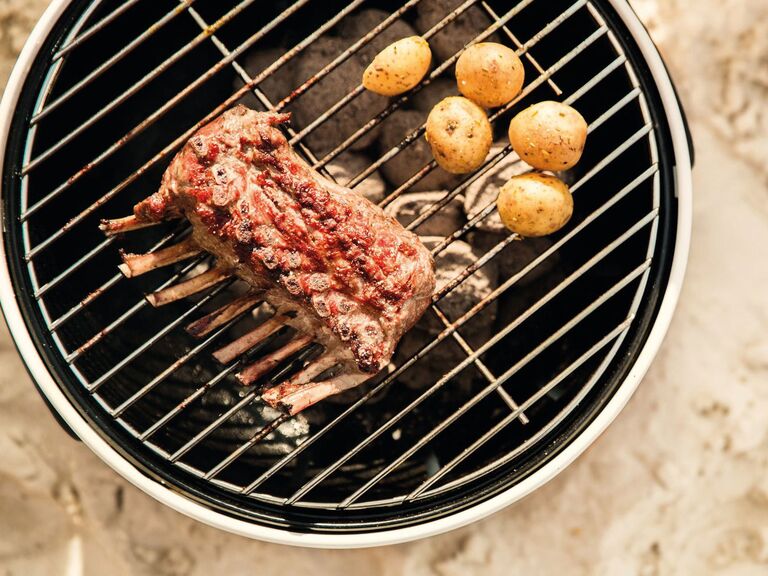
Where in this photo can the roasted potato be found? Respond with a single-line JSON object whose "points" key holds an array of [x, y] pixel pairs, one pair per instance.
{"points": [[548, 135], [535, 204], [399, 67], [459, 134], [489, 74]]}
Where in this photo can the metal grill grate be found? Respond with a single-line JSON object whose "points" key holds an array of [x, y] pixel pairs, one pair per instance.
{"points": [[133, 81]]}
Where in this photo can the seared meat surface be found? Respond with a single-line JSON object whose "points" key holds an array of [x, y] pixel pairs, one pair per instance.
{"points": [[355, 278]]}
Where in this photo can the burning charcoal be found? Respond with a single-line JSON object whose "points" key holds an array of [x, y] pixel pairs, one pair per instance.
{"points": [[332, 88], [414, 157], [429, 369], [486, 188], [345, 78], [458, 33], [516, 256], [476, 331], [451, 262], [349, 165], [363, 22], [425, 99], [408, 206], [277, 86]]}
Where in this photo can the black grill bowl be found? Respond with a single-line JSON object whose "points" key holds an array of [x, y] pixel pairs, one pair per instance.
{"points": [[575, 323]]}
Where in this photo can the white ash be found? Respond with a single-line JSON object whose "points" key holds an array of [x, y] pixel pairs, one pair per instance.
{"points": [[426, 98], [447, 220], [486, 188], [349, 165], [458, 33], [414, 157]]}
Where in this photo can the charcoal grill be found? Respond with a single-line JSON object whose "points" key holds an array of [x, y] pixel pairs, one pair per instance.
{"points": [[105, 92]]}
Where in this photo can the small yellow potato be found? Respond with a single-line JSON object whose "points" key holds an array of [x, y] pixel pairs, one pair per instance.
{"points": [[535, 204], [489, 74], [459, 134], [548, 135], [399, 67]]}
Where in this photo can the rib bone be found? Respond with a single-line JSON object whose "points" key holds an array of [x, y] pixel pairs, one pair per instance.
{"points": [[249, 340], [137, 264], [262, 366], [296, 399], [208, 323], [312, 370], [188, 287], [127, 224]]}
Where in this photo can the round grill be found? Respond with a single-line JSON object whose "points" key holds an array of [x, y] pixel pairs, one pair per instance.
{"points": [[509, 388]]}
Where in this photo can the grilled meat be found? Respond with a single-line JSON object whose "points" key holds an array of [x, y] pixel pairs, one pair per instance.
{"points": [[331, 262]]}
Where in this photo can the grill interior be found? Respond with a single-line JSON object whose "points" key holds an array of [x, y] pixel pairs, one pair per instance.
{"points": [[490, 386]]}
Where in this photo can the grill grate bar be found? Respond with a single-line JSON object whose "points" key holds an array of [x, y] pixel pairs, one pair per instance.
{"points": [[484, 370], [205, 432], [188, 400], [490, 388], [414, 135], [487, 346], [98, 71], [479, 217], [130, 312], [245, 401], [341, 58], [159, 335], [538, 395], [185, 136], [231, 58], [255, 439], [152, 118], [97, 27], [218, 378], [528, 56], [381, 116], [613, 155], [474, 267], [429, 346], [56, 280], [103, 288], [173, 367]]}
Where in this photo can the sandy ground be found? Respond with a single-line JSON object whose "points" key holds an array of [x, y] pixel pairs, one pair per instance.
{"points": [[677, 486]]}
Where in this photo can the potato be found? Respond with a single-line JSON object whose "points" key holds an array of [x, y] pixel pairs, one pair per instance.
{"points": [[548, 135], [459, 134], [535, 204], [489, 74], [399, 67]]}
